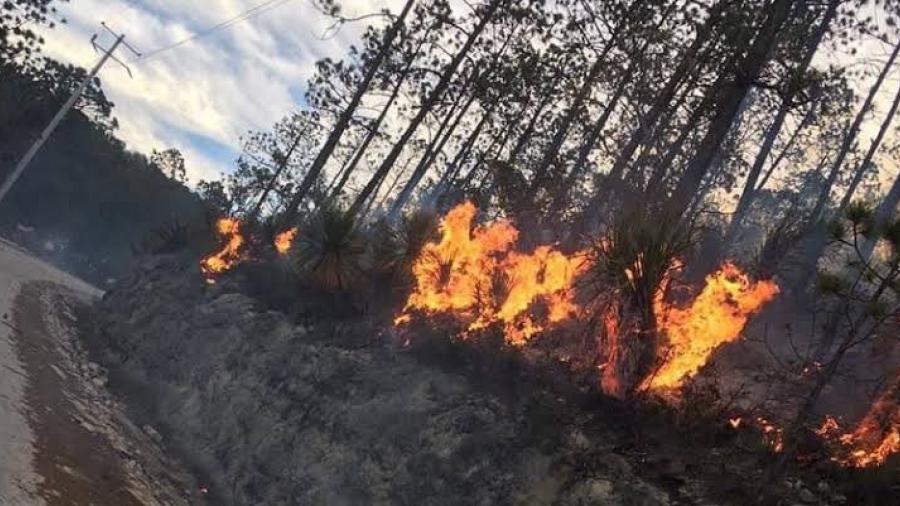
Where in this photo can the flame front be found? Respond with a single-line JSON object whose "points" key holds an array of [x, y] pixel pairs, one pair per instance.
{"points": [[877, 436], [475, 275], [284, 240], [229, 230], [717, 316]]}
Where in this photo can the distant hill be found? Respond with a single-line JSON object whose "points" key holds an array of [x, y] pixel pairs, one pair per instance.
{"points": [[85, 202]]}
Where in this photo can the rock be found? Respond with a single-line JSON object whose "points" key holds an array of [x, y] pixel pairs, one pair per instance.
{"points": [[839, 499], [99, 381], [823, 487], [152, 433], [578, 441], [807, 496], [600, 490]]}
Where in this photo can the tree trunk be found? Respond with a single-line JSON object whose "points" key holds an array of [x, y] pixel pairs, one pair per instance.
{"points": [[434, 150], [463, 153], [529, 129], [663, 165], [850, 138], [552, 151], [807, 119], [684, 67], [597, 129], [870, 154], [429, 103], [729, 105], [885, 211], [344, 120], [375, 128], [587, 147], [282, 165], [749, 192]]}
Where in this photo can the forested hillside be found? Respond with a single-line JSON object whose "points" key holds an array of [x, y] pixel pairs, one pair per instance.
{"points": [[682, 211], [86, 202]]}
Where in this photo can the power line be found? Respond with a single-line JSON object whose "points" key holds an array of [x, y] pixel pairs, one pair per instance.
{"points": [[108, 54], [244, 16]]}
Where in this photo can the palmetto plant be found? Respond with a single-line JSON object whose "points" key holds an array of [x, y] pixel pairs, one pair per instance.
{"points": [[397, 246], [636, 255], [330, 250], [631, 266]]}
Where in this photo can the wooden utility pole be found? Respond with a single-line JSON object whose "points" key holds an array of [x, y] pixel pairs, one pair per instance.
{"points": [[57, 119]]}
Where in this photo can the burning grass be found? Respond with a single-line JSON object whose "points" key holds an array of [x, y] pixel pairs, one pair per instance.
{"points": [[232, 252], [876, 437], [236, 248], [472, 280], [284, 240], [476, 275], [717, 316]]}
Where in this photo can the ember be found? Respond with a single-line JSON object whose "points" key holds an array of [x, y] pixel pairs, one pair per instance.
{"points": [[772, 434]]}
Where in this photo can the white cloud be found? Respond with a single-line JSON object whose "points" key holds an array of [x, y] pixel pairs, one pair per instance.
{"points": [[210, 91]]}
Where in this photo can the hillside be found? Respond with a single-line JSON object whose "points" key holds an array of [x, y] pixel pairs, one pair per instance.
{"points": [[86, 200]]}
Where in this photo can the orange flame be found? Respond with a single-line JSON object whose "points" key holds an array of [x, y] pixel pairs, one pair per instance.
{"points": [[735, 422], [717, 316], [829, 427], [475, 275], [284, 240], [228, 229], [877, 436], [772, 435]]}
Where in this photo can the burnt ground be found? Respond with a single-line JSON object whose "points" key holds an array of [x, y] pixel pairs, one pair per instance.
{"points": [[85, 451], [337, 413], [315, 410]]}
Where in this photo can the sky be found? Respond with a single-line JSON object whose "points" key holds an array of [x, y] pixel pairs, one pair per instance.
{"points": [[201, 97]]}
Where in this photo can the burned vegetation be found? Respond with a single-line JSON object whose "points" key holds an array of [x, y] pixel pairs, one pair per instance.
{"points": [[543, 252]]}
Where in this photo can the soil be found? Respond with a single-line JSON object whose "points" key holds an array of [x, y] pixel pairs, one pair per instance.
{"points": [[64, 439], [85, 451]]}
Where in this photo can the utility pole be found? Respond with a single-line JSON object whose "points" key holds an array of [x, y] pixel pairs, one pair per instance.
{"points": [[57, 119]]}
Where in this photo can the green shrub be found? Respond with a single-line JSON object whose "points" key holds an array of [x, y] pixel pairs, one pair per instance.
{"points": [[330, 251]]}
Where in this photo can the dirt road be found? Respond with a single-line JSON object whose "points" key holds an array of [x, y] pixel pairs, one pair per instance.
{"points": [[64, 440]]}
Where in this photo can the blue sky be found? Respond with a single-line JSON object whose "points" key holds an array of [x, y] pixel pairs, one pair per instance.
{"points": [[202, 96]]}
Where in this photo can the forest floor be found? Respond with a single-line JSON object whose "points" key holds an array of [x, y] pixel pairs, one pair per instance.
{"points": [[63, 437]]}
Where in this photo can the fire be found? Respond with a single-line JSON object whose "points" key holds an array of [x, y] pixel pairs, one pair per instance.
{"points": [[829, 427], [772, 434], [229, 230], [284, 240], [877, 436], [474, 274], [735, 423], [716, 317]]}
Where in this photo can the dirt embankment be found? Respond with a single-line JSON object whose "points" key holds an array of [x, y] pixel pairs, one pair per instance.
{"points": [[85, 450], [321, 414], [63, 439]]}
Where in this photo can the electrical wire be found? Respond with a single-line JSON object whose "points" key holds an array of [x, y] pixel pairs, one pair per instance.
{"points": [[244, 16]]}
